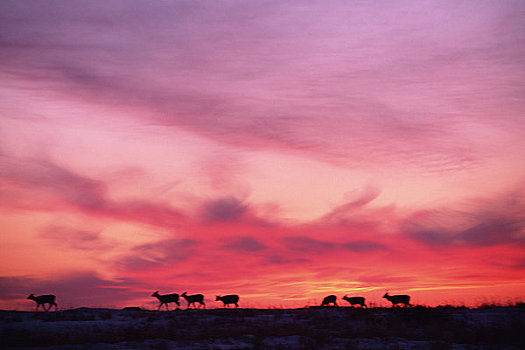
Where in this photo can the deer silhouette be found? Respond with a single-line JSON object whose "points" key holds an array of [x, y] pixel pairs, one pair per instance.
{"points": [[355, 301], [166, 299], [192, 299], [398, 299], [228, 299], [329, 300], [44, 299]]}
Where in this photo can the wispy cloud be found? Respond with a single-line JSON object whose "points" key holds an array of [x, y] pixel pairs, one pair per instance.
{"points": [[73, 237], [67, 189], [364, 246], [308, 245], [489, 222], [269, 86], [159, 254], [346, 210], [312, 245], [245, 244]]}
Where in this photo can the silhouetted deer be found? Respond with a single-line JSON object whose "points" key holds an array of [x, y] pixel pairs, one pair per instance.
{"points": [[166, 299], [229, 299], [355, 301], [398, 299], [192, 299], [329, 300], [44, 299]]}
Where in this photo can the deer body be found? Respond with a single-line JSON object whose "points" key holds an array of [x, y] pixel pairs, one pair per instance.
{"points": [[166, 299], [329, 300], [355, 301], [44, 299], [398, 299], [229, 299], [192, 299]]}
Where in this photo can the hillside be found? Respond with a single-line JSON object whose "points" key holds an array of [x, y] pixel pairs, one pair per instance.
{"points": [[313, 328]]}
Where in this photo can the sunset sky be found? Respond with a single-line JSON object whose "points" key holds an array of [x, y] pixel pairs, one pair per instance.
{"points": [[281, 150]]}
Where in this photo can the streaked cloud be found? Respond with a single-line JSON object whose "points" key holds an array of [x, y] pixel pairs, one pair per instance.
{"points": [[489, 222], [73, 238], [244, 74], [67, 189]]}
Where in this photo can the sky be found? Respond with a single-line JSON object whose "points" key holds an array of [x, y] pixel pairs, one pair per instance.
{"points": [[279, 150]]}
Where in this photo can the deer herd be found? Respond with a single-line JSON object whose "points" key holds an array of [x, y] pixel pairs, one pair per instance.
{"points": [[227, 300], [394, 299]]}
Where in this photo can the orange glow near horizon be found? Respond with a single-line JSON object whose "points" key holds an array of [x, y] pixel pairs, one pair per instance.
{"points": [[231, 153]]}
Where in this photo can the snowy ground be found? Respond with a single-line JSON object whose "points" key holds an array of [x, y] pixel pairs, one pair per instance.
{"points": [[314, 328]]}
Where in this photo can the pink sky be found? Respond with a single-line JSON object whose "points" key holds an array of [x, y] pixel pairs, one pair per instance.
{"points": [[281, 150]]}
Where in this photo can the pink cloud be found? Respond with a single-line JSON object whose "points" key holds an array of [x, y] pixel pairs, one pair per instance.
{"points": [[349, 243], [259, 82], [65, 189], [370, 260], [246, 243]]}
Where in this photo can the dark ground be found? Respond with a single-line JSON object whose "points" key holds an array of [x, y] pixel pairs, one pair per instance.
{"points": [[313, 328]]}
